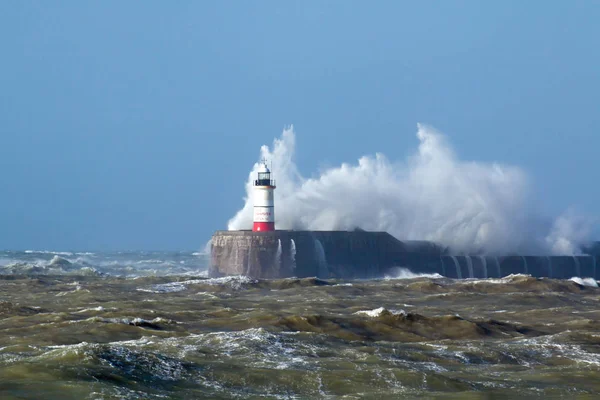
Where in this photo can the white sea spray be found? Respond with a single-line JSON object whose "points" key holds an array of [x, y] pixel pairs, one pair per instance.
{"points": [[433, 195]]}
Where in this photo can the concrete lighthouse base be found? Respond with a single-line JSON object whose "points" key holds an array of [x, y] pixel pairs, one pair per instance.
{"points": [[360, 254]]}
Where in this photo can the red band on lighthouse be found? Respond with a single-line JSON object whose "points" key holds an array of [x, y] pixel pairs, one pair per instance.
{"points": [[264, 205], [263, 226]]}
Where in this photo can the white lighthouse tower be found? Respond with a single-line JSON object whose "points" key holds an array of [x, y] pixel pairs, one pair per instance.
{"points": [[264, 205]]}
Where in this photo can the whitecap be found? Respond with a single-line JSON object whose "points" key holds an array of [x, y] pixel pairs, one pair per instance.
{"points": [[507, 279], [377, 312], [585, 281], [235, 282], [60, 253], [99, 309], [405, 273], [212, 296]]}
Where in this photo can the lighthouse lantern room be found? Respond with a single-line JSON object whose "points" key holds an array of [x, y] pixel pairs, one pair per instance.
{"points": [[264, 205]]}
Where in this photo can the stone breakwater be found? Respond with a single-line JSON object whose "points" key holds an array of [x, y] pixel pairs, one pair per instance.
{"points": [[361, 255]]}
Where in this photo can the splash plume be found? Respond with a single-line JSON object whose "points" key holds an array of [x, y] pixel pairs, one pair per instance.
{"points": [[467, 206]]}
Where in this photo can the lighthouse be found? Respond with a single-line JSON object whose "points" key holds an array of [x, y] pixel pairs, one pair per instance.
{"points": [[264, 205]]}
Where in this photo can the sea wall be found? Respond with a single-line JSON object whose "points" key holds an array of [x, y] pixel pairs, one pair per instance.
{"points": [[280, 254], [361, 254]]}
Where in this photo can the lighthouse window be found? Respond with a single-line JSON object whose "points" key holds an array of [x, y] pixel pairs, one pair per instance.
{"points": [[263, 176]]}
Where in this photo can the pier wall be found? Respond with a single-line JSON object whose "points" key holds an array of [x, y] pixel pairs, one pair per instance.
{"points": [[361, 255]]}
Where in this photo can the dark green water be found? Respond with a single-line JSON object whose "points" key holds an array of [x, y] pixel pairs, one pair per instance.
{"points": [[94, 337]]}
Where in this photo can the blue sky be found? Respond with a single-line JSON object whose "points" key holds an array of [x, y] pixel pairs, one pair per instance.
{"points": [[130, 126]]}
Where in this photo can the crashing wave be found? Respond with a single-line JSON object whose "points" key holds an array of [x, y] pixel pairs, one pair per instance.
{"points": [[434, 195]]}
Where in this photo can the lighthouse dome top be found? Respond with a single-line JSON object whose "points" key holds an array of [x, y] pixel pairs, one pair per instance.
{"points": [[263, 168]]}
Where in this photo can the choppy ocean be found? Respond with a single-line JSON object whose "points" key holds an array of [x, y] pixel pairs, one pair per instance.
{"points": [[151, 325], [124, 264]]}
